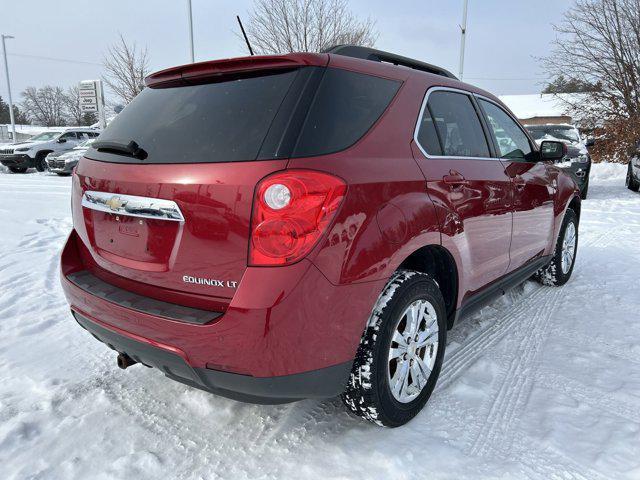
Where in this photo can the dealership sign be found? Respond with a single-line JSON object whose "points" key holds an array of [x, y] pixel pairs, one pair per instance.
{"points": [[92, 99], [89, 96]]}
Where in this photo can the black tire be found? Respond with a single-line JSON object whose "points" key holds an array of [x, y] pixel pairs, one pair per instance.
{"points": [[585, 190], [553, 274], [18, 169], [631, 182], [41, 164], [63, 174], [368, 393]]}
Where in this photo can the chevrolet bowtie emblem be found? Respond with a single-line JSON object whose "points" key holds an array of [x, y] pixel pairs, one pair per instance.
{"points": [[114, 203]]}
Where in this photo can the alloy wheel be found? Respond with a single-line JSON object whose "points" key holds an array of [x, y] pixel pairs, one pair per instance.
{"points": [[568, 247], [413, 350]]}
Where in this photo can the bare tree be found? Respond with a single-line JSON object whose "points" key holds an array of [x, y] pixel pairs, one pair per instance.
{"points": [[598, 45], [72, 105], [74, 113], [126, 67], [284, 26], [45, 106]]}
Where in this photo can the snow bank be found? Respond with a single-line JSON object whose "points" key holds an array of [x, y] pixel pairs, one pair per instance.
{"points": [[607, 171]]}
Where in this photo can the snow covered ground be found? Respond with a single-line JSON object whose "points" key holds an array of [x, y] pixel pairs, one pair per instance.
{"points": [[544, 383]]}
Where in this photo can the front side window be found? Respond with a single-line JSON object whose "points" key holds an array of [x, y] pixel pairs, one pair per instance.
{"points": [[512, 141], [69, 136], [457, 126]]}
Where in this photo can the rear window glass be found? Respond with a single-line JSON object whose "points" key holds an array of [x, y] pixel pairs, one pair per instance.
{"points": [[345, 107], [458, 125], [215, 122]]}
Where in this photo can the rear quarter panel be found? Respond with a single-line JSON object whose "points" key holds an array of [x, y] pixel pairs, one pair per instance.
{"points": [[386, 214]]}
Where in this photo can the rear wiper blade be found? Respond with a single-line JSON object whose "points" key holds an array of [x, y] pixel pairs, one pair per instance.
{"points": [[131, 148]]}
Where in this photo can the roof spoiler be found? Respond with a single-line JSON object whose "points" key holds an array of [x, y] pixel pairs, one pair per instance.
{"points": [[372, 54], [202, 71]]}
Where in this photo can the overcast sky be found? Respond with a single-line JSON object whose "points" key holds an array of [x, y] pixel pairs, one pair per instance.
{"points": [[504, 36]]}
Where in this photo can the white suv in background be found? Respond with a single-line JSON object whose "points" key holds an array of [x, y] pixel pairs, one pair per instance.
{"points": [[20, 156]]}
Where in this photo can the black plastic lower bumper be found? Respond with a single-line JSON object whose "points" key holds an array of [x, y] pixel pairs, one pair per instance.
{"points": [[19, 161], [324, 383]]}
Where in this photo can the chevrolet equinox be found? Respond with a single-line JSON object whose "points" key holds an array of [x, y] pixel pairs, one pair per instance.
{"points": [[274, 228]]}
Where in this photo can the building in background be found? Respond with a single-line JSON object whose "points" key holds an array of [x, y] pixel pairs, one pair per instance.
{"points": [[540, 109]]}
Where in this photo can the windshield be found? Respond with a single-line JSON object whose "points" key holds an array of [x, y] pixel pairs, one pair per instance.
{"points": [[44, 136], [547, 132]]}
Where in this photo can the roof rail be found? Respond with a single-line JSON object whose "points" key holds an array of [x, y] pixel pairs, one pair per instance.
{"points": [[367, 53]]}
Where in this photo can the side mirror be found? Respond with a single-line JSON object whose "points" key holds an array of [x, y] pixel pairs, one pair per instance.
{"points": [[550, 150], [590, 142], [62, 140]]}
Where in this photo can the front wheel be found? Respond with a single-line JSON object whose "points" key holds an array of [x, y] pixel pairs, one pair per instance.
{"points": [[401, 351], [631, 182], [585, 190], [559, 270], [18, 169]]}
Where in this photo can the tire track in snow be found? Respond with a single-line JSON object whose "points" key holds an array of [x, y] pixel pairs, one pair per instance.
{"points": [[516, 386], [548, 464], [472, 349], [609, 403], [516, 383]]}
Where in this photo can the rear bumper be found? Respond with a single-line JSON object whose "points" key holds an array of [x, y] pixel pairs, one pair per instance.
{"points": [[323, 383], [287, 334], [19, 161]]}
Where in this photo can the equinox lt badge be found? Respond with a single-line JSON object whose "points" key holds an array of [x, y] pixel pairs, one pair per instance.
{"points": [[209, 281]]}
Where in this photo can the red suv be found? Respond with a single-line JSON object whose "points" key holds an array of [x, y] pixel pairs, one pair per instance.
{"points": [[275, 228]]}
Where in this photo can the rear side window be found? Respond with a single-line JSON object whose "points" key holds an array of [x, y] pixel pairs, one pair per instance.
{"points": [[512, 141], [457, 124], [427, 135], [215, 122], [345, 107]]}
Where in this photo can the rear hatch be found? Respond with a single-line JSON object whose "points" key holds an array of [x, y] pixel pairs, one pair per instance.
{"points": [[172, 210]]}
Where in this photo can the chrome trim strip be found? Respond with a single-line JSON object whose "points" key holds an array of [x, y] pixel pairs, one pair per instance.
{"points": [[418, 123], [132, 206]]}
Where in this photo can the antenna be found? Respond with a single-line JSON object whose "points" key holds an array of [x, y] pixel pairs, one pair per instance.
{"points": [[244, 34]]}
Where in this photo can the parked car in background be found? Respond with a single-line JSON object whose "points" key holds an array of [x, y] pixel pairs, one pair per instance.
{"points": [[633, 170], [369, 206], [20, 156], [578, 160], [63, 163]]}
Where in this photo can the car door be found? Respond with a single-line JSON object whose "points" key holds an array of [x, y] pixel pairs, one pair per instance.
{"points": [[70, 140], [468, 186], [532, 188]]}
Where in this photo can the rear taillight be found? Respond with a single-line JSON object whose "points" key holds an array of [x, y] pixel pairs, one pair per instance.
{"points": [[291, 211]]}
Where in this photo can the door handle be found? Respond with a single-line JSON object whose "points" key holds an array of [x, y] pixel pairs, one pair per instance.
{"points": [[454, 179], [519, 182]]}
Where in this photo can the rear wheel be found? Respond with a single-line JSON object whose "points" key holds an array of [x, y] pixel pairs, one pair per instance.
{"points": [[41, 164], [18, 169], [631, 182], [559, 270], [401, 351]]}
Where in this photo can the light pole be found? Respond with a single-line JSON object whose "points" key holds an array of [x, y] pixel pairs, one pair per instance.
{"points": [[190, 30], [6, 71], [463, 29]]}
